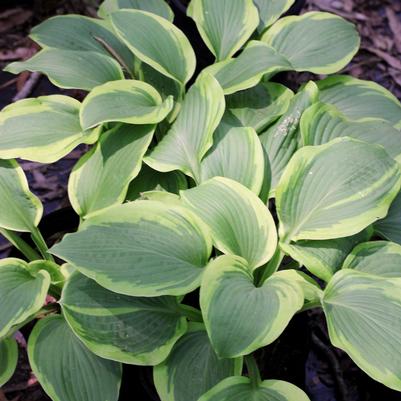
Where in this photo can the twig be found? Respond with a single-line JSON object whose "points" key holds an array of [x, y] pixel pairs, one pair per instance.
{"points": [[28, 87], [8, 83], [334, 365]]}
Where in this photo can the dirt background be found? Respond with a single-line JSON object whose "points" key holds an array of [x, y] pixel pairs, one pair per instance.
{"points": [[329, 375]]}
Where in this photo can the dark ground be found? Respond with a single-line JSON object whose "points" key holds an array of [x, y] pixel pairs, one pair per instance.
{"points": [[329, 374]]}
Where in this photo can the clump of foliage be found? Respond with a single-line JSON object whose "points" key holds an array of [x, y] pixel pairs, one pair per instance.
{"points": [[173, 198]]}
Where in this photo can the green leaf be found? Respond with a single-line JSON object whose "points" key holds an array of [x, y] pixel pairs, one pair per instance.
{"points": [[167, 49], [237, 154], [261, 105], [270, 11], [317, 42], [192, 368], [151, 180], [239, 221], [363, 315], [224, 25], [191, 136], [390, 227], [93, 185], [382, 258], [140, 331], [239, 316], [76, 32], [359, 100], [22, 294], [43, 129], [71, 68], [159, 7], [246, 70], [323, 258], [127, 101], [20, 209], [242, 389], [143, 248], [8, 359], [335, 190], [323, 122], [58, 359], [280, 141]]}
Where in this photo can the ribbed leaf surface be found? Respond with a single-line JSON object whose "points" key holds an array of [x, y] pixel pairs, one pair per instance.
{"points": [[134, 330], [128, 101], [240, 317], [22, 294], [224, 25], [93, 185], [58, 359], [382, 258], [143, 248], [44, 129], [240, 223], [363, 315], [156, 42], [192, 368], [335, 190], [241, 389], [190, 137], [71, 68]]}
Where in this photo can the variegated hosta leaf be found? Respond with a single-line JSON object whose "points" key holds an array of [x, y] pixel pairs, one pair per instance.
{"points": [[20, 209], [239, 221], [224, 25], [242, 389], [363, 315], [143, 248], [152, 180], [76, 32], [191, 136], [93, 185], [58, 358], [382, 258], [323, 258], [240, 317], [318, 42], [246, 70], [8, 359], [192, 368], [159, 7], [390, 227], [261, 105], [270, 11], [166, 49], [280, 141], [140, 331], [237, 154], [43, 129], [335, 190], [22, 294], [323, 122], [127, 101], [358, 99], [71, 68]]}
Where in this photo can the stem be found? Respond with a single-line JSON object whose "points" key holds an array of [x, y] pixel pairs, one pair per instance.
{"points": [[272, 266], [115, 55], [20, 244], [192, 314], [253, 370], [41, 244]]}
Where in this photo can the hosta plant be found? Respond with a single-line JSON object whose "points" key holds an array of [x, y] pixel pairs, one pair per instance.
{"points": [[218, 182]]}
